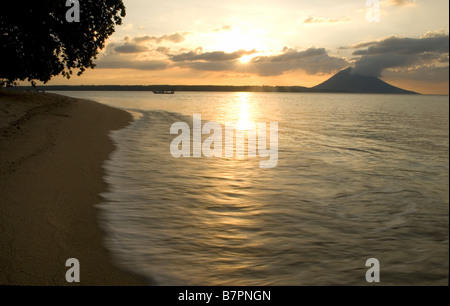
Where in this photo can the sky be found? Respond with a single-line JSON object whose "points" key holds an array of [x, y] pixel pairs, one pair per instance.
{"points": [[275, 42]]}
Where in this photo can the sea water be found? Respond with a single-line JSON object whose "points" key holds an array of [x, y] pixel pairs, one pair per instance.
{"points": [[358, 177]]}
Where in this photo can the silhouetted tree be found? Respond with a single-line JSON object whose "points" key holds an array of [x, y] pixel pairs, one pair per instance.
{"points": [[37, 42]]}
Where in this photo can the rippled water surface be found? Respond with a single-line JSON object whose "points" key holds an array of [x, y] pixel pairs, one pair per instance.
{"points": [[358, 177]]}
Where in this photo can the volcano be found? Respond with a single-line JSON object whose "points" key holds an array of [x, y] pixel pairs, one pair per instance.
{"points": [[347, 81]]}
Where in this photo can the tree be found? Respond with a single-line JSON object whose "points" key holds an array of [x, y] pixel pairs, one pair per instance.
{"points": [[37, 41]]}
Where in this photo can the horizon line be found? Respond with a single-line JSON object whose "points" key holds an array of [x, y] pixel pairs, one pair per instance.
{"points": [[301, 89]]}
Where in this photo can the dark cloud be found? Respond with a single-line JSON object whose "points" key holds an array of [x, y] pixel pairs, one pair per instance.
{"points": [[291, 55], [132, 64], [312, 61], [216, 56], [358, 46], [373, 65], [423, 74], [395, 52], [130, 47], [407, 46], [175, 38], [163, 50], [130, 55], [137, 44]]}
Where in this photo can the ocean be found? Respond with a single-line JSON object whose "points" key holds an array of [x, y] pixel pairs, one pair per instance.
{"points": [[357, 177]]}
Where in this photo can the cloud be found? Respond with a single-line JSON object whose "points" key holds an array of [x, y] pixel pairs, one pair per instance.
{"points": [[163, 50], [139, 45], [358, 46], [290, 55], [401, 3], [224, 28], [132, 64], [394, 52], [129, 47], [175, 38], [373, 65], [312, 61], [423, 74], [130, 54], [128, 27], [210, 66], [216, 56], [432, 43], [314, 19]]}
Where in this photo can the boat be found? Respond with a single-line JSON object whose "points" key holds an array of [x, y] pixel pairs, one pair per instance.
{"points": [[165, 92]]}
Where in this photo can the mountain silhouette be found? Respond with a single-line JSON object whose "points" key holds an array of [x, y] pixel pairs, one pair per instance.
{"points": [[349, 82]]}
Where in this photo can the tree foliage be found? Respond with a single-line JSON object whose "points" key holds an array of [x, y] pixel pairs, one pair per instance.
{"points": [[37, 42]]}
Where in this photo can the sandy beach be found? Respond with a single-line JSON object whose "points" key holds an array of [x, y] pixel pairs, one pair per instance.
{"points": [[51, 154]]}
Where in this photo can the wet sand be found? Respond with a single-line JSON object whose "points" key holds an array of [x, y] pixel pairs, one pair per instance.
{"points": [[51, 153]]}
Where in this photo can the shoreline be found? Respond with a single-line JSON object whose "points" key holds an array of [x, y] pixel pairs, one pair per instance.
{"points": [[52, 150]]}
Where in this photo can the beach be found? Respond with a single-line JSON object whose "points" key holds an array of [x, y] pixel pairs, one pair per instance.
{"points": [[52, 150]]}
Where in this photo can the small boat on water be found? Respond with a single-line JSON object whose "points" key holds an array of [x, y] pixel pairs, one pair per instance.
{"points": [[164, 92]]}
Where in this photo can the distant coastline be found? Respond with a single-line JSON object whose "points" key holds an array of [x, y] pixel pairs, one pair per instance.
{"points": [[345, 81], [212, 88], [218, 88]]}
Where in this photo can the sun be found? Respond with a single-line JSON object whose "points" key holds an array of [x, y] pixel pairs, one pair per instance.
{"points": [[237, 39], [247, 58]]}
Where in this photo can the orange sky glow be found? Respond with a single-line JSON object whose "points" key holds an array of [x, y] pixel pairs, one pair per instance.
{"points": [[276, 43]]}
